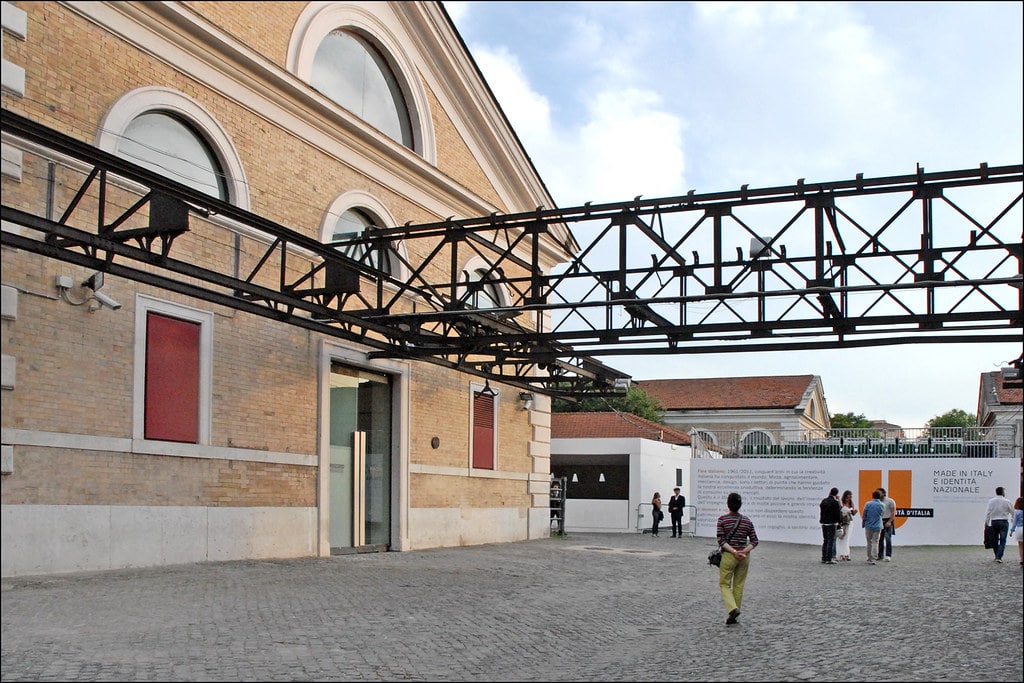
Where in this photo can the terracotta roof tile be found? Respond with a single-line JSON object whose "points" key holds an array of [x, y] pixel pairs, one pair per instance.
{"points": [[612, 426], [728, 392], [1005, 395]]}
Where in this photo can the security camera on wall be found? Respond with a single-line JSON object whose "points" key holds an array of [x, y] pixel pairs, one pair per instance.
{"points": [[95, 282], [106, 300]]}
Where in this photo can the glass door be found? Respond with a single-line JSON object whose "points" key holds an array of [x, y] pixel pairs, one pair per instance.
{"points": [[360, 460]]}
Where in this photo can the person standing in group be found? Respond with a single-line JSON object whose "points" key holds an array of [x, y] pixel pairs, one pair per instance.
{"points": [[656, 513], [736, 538], [888, 526], [871, 520], [675, 510], [846, 514], [998, 517], [829, 518], [1017, 528]]}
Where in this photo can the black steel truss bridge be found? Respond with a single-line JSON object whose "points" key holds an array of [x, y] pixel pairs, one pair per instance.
{"points": [[927, 257]]}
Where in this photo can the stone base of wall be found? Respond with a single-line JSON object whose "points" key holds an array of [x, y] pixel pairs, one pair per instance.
{"points": [[452, 527], [53, 539]]}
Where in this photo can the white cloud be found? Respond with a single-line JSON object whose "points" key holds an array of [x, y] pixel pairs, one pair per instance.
{"points": [[527, 110], [629, 145], [626, 142], [656, 98]]}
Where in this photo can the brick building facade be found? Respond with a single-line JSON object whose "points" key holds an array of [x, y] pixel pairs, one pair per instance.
{"points": [[268, 466]]}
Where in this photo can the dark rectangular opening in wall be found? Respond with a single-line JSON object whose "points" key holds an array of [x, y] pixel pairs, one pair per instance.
{"points": [[593, 477]]}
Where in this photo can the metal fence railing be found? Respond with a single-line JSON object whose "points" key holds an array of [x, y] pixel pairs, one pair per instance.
{"points": [[968, 442]]}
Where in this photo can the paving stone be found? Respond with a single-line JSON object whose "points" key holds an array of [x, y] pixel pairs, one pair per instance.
{"points": [[584, 607]]}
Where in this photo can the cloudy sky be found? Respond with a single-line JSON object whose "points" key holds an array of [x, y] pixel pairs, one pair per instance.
{"points": [[613, 100]]}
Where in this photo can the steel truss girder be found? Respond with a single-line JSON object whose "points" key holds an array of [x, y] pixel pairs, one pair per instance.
{"points": [[321, 291], [966, 290], [637, 285]]}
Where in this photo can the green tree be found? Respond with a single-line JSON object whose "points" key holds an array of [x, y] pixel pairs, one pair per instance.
{"points": [[953, 418], [849, 421], [635, 401]]}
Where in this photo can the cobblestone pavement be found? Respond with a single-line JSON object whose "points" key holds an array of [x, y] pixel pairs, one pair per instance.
{"points": [[584, 607]]}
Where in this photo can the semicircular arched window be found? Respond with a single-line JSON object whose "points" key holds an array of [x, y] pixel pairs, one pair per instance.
{"points": [[706, 437], [487, 294], [351, 225], [352, 72], [756, 442], [168, 145]]}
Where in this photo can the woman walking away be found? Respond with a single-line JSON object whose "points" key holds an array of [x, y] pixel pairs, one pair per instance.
{"points": [[736, 538], [1017, 529], [656, 513], [846, 513]]}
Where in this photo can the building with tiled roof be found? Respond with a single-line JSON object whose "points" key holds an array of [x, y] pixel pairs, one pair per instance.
{"points": [[613, 426], [612, 464], [1001, 408], [744, 414]]}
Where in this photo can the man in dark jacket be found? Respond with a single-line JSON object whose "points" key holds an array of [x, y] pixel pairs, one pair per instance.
{"points": [[830, 517], [675, 510]]}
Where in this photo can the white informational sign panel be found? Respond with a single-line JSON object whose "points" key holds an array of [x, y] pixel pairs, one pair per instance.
{"points": [[939, 501]]}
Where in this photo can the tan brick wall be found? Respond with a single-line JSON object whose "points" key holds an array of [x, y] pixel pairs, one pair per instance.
{"points": [[441, 406], [74, 364], [75, 367], [454, 157], [290, 182], [40, 478], [435, 491], [75, 71], [263, 26]]}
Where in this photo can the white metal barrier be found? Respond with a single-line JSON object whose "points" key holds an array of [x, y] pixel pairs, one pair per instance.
{"points": [[644, 520]]}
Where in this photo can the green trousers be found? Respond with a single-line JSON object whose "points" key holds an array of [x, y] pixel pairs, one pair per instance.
{"points": [[732, 574]]}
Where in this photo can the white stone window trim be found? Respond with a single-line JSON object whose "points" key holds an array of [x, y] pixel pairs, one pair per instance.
{"points": [[363, 202], [145, 304], [320, 18], [473, 264], [148, 99]]}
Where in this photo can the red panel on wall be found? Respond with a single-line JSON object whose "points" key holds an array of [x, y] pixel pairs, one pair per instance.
{"points": [[172, 379], [483, 431]]}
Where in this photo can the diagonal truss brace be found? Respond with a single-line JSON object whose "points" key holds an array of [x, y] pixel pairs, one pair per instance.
{"points": [[863, 262]]}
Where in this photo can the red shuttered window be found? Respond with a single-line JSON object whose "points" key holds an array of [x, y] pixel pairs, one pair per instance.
{"points": [[483, 431], [172, 379]]}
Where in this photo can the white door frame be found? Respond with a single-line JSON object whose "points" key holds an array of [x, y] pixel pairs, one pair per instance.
{"points": [[400, 372]]}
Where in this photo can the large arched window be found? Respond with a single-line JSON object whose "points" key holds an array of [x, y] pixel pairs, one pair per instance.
{"points": [[352, 72], [169, 145], [354, 54], [173, 135]]}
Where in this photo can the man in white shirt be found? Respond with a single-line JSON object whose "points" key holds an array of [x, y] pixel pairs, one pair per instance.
{"points": [[888, 527], [998, 518]]}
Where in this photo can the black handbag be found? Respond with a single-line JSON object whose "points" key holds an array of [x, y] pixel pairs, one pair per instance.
{"points": [[715, 556], [990, 538]]}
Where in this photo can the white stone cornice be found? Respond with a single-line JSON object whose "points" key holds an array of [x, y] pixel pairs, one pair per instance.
{"points": [[174, 34]]}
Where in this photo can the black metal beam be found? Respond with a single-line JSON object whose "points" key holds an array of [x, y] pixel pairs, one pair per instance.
{"points": [[830, 275]]}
